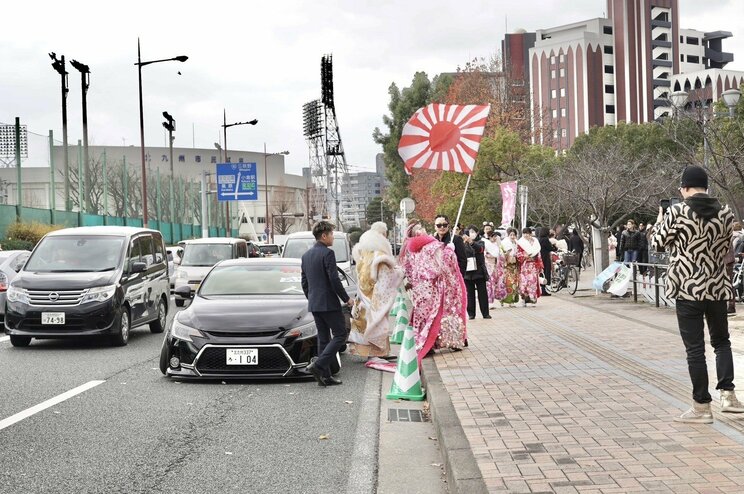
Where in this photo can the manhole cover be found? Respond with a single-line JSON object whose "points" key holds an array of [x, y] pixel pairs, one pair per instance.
{"points": [[405, 415]]}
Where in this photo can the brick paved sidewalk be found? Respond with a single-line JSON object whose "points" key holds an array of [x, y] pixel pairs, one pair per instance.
{"points": [[578, 395]]}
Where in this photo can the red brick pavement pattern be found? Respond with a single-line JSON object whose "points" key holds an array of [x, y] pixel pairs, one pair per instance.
{"points": [[579, 397]]}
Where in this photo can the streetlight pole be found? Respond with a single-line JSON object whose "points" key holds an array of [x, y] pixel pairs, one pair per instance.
{"points": [[140, 64], [170, 126], [225, 125], [266, 191], [85, 84], [59, 66]]}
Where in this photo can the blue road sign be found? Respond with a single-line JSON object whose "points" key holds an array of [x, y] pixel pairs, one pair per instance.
{"points": [[237, 182]]}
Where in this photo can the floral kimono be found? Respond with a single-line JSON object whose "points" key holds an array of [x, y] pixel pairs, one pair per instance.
{"points": [[378, 279], [507, 290], [530, 267], [493, 255], [437, 293]]}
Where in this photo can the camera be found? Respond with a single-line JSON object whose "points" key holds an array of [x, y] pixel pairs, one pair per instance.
{"points": [[666, 203]]}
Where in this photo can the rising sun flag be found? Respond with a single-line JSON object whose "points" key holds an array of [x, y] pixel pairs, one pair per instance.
{"points": [[443, 137]]}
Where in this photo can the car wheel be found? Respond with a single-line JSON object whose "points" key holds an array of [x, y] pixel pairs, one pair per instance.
{"points": [[164, 357], [121, 338], [158, 325], [20, 341], [179, 302]]}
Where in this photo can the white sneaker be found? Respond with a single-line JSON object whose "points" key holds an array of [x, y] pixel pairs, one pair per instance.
{"points": [[699, 414], [729, 402]]}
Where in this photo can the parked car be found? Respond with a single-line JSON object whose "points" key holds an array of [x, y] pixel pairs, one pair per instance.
{"points": [[298, 243], [248, 318], [11, 261], [100, 280], [174, 254], [270, 250], [199, 255]]}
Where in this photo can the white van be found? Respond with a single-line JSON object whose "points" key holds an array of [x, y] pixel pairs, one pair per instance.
{"points": [[298, 243]]}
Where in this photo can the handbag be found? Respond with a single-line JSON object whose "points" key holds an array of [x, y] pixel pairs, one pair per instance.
{"points": [[472, 265]]}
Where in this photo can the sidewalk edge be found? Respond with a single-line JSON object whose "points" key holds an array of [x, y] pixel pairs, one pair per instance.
{"points": [[463, 474]]}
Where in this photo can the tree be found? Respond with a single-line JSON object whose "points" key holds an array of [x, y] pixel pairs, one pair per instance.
{"points": [[282, 215], [378, 211]]}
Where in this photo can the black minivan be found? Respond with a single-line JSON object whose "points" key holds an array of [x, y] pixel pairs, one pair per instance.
{"points": [[99, 280]]}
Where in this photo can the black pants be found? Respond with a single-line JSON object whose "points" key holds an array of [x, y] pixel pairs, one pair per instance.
{"points": [[328, 323], [479, 285], [690, 319]]}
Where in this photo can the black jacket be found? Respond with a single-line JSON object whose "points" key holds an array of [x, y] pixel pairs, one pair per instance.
{"points": [[545, 249], [477, 250], [320, 280], [462, 258], [630, 240], [576, 244]]}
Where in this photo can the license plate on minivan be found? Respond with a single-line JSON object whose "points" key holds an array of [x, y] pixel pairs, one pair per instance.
{"points": [[241, 356], [52, 318]]}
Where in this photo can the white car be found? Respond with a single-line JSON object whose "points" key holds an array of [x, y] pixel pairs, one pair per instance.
{"points": [[11, 261], [298, 243]]}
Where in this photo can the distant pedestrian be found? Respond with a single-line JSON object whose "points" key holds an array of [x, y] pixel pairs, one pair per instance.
{"points": [[630, 242], [530, 267], [508, 275], [697, 234], [323, 289], [476, 274], [546, 250], [576, 245]]}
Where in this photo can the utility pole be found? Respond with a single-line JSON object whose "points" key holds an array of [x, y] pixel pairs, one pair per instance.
{"points": [[59, 66], [85, 84], [204, 222], [170, 126]]}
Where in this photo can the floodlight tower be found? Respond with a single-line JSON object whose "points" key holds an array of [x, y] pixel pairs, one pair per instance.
{"points": [[334, 148], [313, 130]]}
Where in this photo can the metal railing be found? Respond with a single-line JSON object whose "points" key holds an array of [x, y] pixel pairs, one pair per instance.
{"points": [[657, 269]]}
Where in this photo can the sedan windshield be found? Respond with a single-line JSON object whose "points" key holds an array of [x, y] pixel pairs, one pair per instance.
{"points": [[72, 253], [295, 247], [205, 254], [253, 280]]}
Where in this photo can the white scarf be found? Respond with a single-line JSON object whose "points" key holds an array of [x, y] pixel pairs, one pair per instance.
{"points": [[532, 249]]}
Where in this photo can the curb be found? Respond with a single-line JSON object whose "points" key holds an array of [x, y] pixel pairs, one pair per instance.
{"points": [[463, 474]]}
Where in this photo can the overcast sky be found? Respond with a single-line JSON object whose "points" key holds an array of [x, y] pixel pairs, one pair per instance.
{"points": [[261, 59]]}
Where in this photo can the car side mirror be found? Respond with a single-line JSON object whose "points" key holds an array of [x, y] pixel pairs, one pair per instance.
{"points": [[184, 291], [138, 267]]}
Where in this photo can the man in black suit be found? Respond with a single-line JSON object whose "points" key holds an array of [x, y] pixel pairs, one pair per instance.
{"points": [[443, 234], [323, 289]]}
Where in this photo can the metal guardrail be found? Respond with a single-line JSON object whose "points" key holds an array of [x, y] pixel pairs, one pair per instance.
{"points": [[657, 268]]}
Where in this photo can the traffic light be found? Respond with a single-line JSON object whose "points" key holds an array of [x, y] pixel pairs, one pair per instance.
{"points": [[170, 122]]}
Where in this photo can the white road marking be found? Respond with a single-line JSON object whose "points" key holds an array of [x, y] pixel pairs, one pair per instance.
{"points": [[48, 403], [4, 338]]}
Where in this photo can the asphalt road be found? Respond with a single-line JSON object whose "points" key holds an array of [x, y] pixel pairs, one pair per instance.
{"points": [[138, 431]]}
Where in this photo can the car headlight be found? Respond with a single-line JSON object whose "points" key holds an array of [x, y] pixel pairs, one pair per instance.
{"points": [[181, 274], [183, 332], [305, 331], [17, 295], [99, 294]]}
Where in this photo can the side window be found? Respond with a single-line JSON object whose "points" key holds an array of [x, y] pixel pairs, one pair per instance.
{"points": [[20, 261], [146, 251], [134, 253], [157, 240]]}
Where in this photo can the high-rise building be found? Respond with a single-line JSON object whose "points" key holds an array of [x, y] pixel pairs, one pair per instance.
{"points": [[357, 190], [622, 68]]}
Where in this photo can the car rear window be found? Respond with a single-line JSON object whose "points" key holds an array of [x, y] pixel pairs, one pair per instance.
{"points": [[253, 280], [295, 247], [205, 254]]}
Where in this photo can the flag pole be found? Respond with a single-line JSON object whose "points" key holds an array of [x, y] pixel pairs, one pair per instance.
{"points": [[462, 201]]}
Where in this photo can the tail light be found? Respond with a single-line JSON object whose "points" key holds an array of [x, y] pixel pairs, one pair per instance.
{"points": [[3, 282]]}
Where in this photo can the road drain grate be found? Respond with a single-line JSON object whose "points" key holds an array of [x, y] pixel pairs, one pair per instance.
{"points": [[405, 415]]}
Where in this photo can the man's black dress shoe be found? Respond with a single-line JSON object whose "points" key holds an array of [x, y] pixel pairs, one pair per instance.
{"points": [[330, 381], [316, 373], [486, 317]]}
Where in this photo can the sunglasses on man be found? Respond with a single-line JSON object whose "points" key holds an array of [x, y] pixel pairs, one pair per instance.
{"points": [[442, 225]]}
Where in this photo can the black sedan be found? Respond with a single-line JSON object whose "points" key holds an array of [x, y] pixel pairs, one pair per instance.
{"points": [[249, 319]]}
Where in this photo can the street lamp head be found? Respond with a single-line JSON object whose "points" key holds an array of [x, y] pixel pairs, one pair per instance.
{"points": [[678, 99], [217, 146], [731, 98], [81, 67], [253, 122], [167, 115], [181, 58]]}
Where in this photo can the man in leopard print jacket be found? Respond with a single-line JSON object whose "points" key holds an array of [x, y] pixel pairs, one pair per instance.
{"points": [[697, 235]]}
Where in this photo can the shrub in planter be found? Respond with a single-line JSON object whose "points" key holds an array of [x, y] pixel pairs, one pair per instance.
{"points": [[29, 232]]}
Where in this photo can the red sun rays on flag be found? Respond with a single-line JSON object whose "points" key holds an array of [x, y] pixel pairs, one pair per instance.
{"points": [[443, 137]]}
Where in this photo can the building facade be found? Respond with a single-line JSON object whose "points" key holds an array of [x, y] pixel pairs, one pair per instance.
{"points": [[622, 68], [281, 196]]}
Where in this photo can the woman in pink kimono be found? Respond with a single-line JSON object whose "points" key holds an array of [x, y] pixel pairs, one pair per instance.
{"points": [[493, 254], [530, 267], [437, 292]]}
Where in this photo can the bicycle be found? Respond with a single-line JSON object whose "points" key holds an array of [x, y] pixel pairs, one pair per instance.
{"points": [[565, 273]]}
